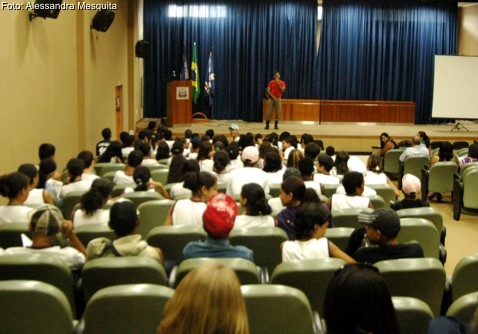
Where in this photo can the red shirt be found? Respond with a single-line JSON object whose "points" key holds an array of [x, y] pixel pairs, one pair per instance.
{"points": [[274, 88]]}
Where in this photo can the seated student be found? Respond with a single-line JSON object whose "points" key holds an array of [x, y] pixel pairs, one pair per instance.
{"points": [[306, 167], [357, 300], [221, 162], [92, 203], [411, 187], [112, 153], [445, 153], [210, 297], [256, 209], [128, 145], [288, 144], [46, 222], [14, 186], [275, 202], [203, 186], [75, 183], [354, 186], [324, 165], [471, 157], [340, 164], [417, 150], [46, 170], [35, 195], [182, 167], [273, 166], [47, 151], [311, 151], [124, 221], [375, 174], [148, 160], [310, 225], [204, 158], [89, 164], [142, 178], [135, 158], [381, 229], [102, 145], [386, 144], [292, 192], [218, 221]]}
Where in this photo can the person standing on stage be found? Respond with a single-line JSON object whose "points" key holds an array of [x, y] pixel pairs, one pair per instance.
{"points": [[275, 89]]}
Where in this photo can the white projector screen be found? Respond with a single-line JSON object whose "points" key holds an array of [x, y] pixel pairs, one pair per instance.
{"points": [[455, 92]]}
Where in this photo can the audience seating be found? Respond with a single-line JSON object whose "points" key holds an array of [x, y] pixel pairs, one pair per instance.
{"points": [[468, 166], [110, 175], [33, 307], [457, 145], [390, 162], [412, 165], [385, 191], [420, 278], [462, 152], [111, 168], [99, 166], [40, 267], [246, 270], [378, 202], [130, 308], [464, 307], [153, 214], [69, 201], [346, 218], [438, 178], [277, 309], [140, 197], [429, 213], [310, 276], [330, 189], [274, 189], [435, 144], [160, 175], [88, 232], [264, 242], [109, 271], [10, 234], [173, 238], [465, 193], [118, 189], [413, 314], [339, 236], [464, 277], [424, 232]]}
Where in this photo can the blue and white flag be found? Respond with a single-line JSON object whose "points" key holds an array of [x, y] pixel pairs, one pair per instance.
{"points": [[209, 85], [184, 68]]}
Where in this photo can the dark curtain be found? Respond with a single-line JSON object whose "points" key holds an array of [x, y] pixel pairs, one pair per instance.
{"points": [[384, 49], [250, 39]]}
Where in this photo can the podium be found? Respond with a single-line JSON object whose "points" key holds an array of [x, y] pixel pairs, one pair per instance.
{"points": [[179, 102]]}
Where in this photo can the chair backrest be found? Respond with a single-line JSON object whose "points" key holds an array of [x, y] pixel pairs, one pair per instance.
{"points": [[31, 306], [457, 145], [10, 234], [390, 161], [428, 213], [173, 238], [130, 308], [264, 242], [277, 309], [420, 278], [99, 166], [310, 276], [111, 167], [274, 189], [118, 189], [330, 189], [424, 232], [109, 175], [339, 236], [88, 232], [413, 165], [385, 191], [440, 178], [153, 214], [413, 314], [109, 271], [246, 270], [140, 197], [40, 267], [463, 308], [378, 202], [160, 175], [69, 201], [468, 166], [470, 190], [346, 218], [463, 279]]}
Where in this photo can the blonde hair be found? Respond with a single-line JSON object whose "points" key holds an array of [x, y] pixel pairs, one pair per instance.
{"points": [[208, 300]]}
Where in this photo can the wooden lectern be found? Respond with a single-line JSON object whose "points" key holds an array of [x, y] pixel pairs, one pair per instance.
{"points": [[179, 102]]}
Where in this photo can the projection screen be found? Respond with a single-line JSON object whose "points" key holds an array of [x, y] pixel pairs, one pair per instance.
{"points": [[455, 92]]}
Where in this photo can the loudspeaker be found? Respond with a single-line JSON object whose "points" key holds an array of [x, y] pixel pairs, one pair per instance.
{"points": [[102, 20], [46, 8], [142, 49]]}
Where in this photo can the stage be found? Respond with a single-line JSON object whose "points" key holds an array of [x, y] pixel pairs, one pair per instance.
{"points": [[351, 137]]}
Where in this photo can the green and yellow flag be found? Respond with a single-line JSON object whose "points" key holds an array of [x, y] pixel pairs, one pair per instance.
{"points": [[195, 74]]}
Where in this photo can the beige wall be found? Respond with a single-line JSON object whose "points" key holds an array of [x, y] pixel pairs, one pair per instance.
{"points": [[58, 81], [468, 43]]}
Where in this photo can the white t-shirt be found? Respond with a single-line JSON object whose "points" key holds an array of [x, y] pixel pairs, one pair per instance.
{"points": [[314, 185], [187, 212], [82, 185], [178, 189], [121, 178], [244, 221], [326, 179], [305, 250], [35, 196], [244, 175], [89, 177], [70, 255], [342, 201], [100, 216], [367, 191], [375, 178], [275, 177], [14, 214], [206, 165]]}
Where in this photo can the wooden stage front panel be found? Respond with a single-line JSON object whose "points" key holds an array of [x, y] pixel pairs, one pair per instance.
{"points": [[295, 110]]}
